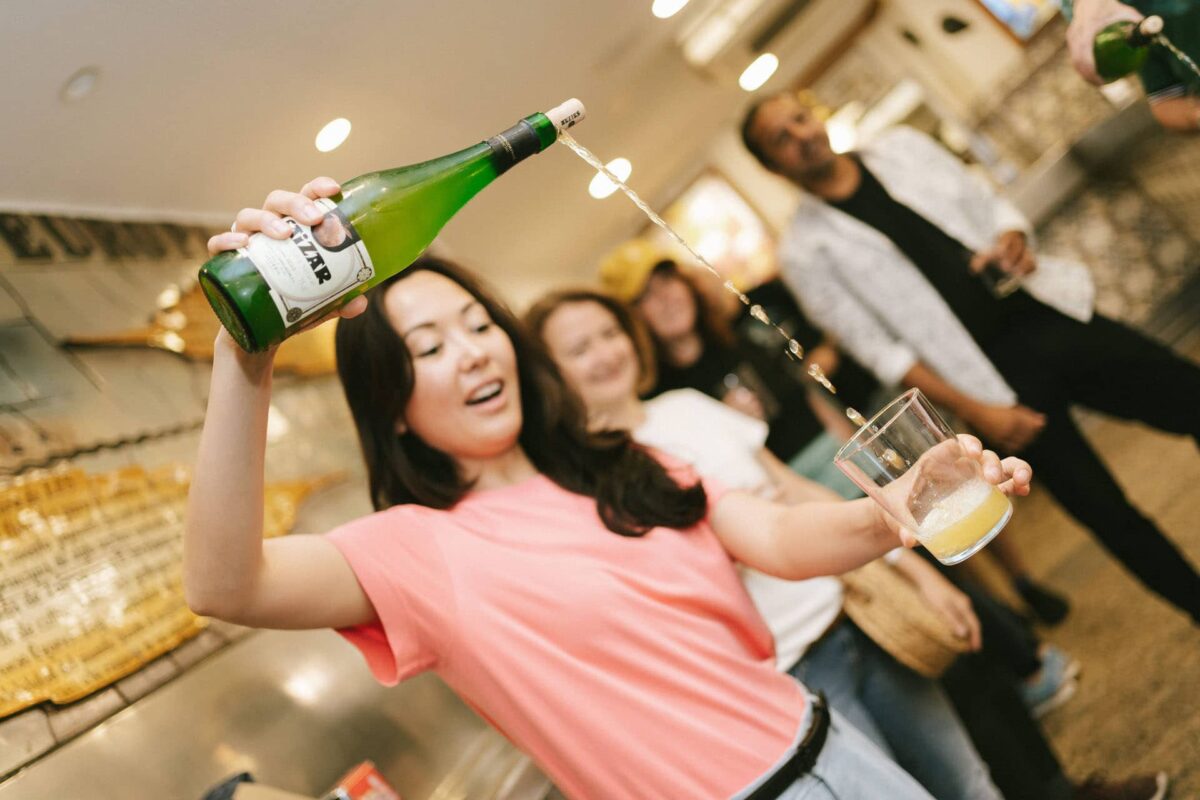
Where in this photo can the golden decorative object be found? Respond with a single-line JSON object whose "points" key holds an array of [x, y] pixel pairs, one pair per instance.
{"points": [[91, 578], [185, 324]]}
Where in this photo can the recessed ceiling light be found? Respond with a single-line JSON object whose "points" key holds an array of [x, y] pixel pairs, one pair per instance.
{"points": [[333, 134], [759, 72], [601, 187], [79, 85], [667, 8]]}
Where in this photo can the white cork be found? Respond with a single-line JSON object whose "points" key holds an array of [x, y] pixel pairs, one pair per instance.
{"points": [[1151, 26], [567, 115]]}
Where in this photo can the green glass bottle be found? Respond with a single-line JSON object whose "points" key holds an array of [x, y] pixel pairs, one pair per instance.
{"points": [[379, 224], [1122, 47]]}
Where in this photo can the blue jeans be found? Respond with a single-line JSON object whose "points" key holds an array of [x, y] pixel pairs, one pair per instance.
{"points": [[850, 767], [905, 715]]}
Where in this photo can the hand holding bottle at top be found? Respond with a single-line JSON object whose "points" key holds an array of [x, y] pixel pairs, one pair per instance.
{"points": [[1088, 18]]}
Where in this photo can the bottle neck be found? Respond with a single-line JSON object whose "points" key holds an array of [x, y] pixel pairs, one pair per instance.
{"points": [[528, 137], [1144, 33]]}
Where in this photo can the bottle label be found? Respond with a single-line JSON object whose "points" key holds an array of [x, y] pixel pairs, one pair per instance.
{"points": [[315, 266]]}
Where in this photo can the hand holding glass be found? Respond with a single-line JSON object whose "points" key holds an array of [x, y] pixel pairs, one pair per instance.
{"points": [[999, 282], [910, 462]]}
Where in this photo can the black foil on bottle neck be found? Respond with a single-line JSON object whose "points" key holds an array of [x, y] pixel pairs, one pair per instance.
{"points": [[1138, 36], [513, 145]]}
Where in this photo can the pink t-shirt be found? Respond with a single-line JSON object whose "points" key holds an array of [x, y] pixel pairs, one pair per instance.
{"points": [[626, 667]]}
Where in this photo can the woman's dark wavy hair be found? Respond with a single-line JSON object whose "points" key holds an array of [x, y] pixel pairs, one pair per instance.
{"points": [[633, 491], [713, 326]]}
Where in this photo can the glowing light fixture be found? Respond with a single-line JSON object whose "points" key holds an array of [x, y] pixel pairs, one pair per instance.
{"points": [[759, 72], [667, 8], [333, 134], [601, 187], [306, 687]]}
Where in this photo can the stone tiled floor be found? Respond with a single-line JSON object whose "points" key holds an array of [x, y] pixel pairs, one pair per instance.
{"points": [[1136, 252], [1138, 705]]}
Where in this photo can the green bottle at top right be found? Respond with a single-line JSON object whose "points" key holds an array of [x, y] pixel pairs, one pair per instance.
{"points": [[1122, 47]]}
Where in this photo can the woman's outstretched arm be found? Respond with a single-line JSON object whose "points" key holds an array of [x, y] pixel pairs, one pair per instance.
{"points": [[829, 538]]}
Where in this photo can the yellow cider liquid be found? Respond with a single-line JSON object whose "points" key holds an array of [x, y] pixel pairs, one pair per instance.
{"points": [[958, 521]]}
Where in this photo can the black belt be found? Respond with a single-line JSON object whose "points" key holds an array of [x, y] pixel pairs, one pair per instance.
{"points": [[801, 761]]}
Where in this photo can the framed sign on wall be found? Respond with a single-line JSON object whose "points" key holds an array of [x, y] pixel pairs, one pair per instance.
{"points": [[1022, 19]]}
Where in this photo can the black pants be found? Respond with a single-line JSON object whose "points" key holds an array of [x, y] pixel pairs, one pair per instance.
{"points": [[1010, 741], [1053, 361]]}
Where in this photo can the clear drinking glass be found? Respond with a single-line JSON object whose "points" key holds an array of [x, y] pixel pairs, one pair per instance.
{"points": [[907, 459]]}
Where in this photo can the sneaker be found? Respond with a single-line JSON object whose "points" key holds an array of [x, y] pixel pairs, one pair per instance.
{"points": [[1052, 685], [1060, 660], [1043, 697], [1139, 787], [1047, 606]]}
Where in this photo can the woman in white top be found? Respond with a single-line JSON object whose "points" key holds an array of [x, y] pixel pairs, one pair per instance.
{"points": [[592, 339]]}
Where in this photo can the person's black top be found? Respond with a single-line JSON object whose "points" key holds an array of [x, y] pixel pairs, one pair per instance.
{"points": [[942, 259], [856, 386], [719, 369]]}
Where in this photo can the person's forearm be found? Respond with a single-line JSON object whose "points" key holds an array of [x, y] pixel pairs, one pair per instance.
{"points": [[223, 537], [940, 392], [816, 539]]}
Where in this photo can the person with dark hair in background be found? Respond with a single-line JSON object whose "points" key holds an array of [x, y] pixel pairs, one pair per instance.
{"points": [[888, 251], [696, 347]]}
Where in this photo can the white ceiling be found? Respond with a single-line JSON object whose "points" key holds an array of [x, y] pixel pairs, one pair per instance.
{"points": [[202, 107]]}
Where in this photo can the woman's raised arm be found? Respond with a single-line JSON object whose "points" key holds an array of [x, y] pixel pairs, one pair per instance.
{"points": [[229, 571]]}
